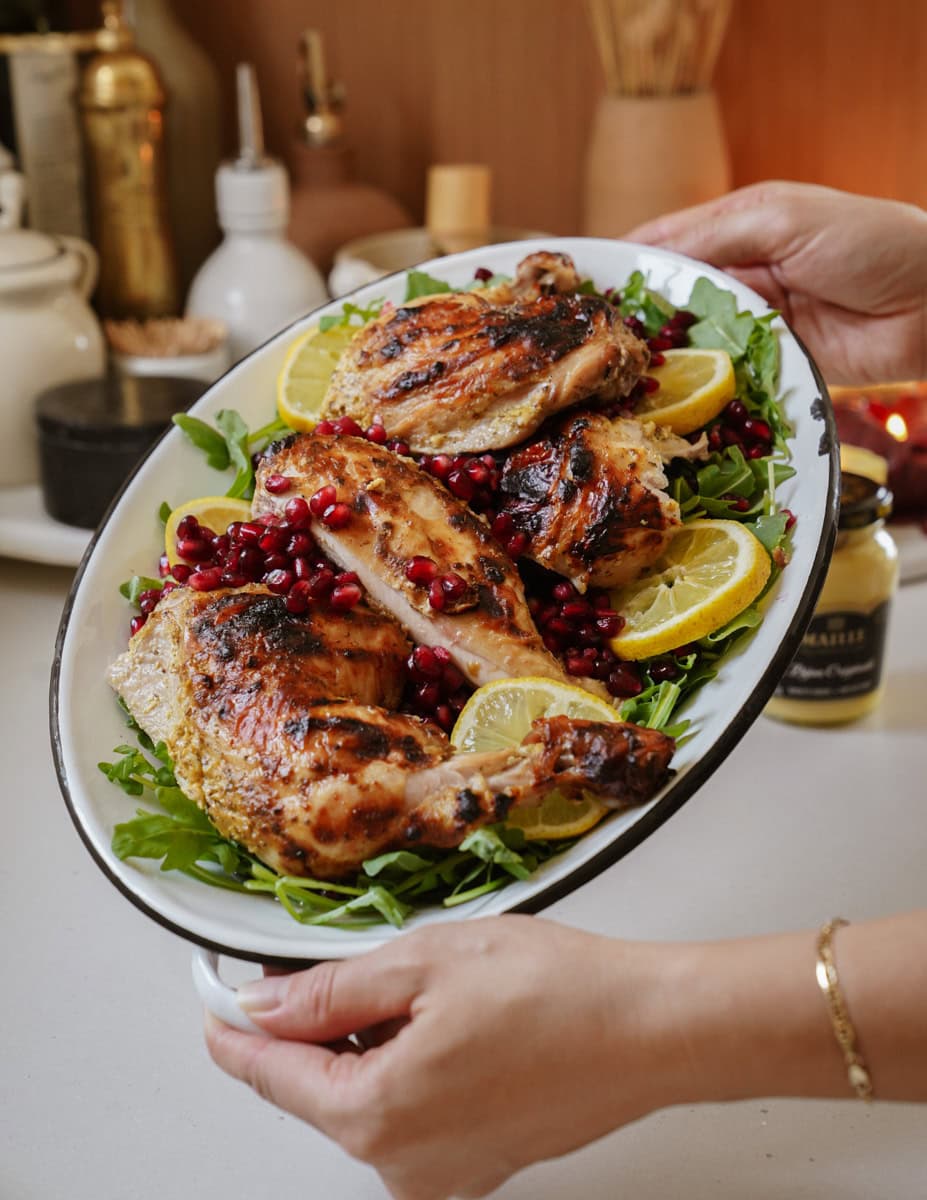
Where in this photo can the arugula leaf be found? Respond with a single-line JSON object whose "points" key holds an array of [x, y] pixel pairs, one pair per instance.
{"points": [[638, 300], [205, 438], [351, 314], [769, 529], [132, 588], [419, 283], [164, 512], [476, 285], [235, 432], [720, 326]]}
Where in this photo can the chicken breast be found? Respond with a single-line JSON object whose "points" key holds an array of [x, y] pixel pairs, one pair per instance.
{"points": [[399, 513], [239, 690], [470, 371], [590, 497]]}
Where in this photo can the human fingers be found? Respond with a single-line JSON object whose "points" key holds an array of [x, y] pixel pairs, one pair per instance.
{"points": [[334, 999], [314, 1083]]}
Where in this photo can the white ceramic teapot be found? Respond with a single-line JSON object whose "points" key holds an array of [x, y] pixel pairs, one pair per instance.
{"points": [[48, 335]]}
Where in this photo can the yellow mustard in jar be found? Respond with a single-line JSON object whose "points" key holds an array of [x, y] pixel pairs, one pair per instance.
{"points": [[836, 676]]}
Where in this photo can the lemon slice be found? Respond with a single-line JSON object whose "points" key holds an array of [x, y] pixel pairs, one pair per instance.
{"points": [[710, 572], [499, 715], [306, 373], [694, 386], [215, 512]]}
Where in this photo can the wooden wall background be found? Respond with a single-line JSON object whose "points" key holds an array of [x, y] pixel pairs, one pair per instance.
{"points": [[830, 91]]}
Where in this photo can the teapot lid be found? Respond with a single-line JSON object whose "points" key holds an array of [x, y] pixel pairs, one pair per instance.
{"points": [[27, 248]]}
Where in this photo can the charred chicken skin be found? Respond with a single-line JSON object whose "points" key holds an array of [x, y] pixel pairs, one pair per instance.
{"points": [[396, 515], [280, 729], [476, 371], [589, 495]]}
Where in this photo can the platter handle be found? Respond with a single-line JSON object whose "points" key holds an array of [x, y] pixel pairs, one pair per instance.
{"points": [[218, 997]]}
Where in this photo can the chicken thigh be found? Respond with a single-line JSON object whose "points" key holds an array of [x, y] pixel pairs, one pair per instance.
{"points": [[255, 706], [471, 371]]}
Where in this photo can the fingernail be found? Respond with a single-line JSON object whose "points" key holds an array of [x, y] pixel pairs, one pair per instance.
{"points": [[262, 995]]}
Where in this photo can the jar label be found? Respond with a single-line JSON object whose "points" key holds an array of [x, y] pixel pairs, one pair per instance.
{"points": [[840, 656]]}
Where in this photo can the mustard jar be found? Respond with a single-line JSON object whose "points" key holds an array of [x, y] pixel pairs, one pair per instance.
{"points": [[836, 676]]}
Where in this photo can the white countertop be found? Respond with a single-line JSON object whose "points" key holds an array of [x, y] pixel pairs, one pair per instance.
{"points": [[107, 1091]]}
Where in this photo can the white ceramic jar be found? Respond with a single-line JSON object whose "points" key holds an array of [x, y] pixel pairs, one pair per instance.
{"points": [[48, 335]]}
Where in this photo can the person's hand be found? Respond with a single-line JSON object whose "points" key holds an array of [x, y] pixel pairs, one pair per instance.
{"points": [[849, 273], [493, 1044]]}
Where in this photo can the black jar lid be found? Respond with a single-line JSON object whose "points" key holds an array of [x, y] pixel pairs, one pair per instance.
{"points": [[862, 501], [119, 409]]}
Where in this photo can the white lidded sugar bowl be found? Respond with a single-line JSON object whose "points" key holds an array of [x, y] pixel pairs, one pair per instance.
{"points": [[48, 335]]}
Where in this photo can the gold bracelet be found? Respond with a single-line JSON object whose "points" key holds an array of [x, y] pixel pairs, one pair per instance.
{"points": [[829, 983]]}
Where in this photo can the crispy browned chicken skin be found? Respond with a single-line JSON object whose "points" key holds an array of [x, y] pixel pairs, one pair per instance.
{"points": [[399, 512], [244, 695], [479, 371], [588, 493]]}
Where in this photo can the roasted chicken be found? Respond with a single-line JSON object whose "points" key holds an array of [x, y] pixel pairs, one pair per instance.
{"points": [[397, 514], [279, 728], [589, 495], [474, 371]]}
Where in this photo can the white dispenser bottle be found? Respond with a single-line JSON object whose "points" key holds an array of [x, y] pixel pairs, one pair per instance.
{"points": [[256, 282]]}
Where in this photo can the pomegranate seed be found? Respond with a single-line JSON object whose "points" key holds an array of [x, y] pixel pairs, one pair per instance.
{"points": [[651, 385], [181, 572], [164, 566], [298, 597], [623, 680], [730, 437], [736, 412], [758, 451], [442, 654], [661, 671], [268, 520], [424, 663], [452, 585], [299, 544], [272, 541], [601, 600], [757, 429], [440, 466], [325, 428], [577, 665], [345, 596], [460, 485], [436, 597], [324, 498], [478, 472], [234, 579], [457, 701], [221, 546], [205, 579], [657, 359], [336, 516], [251, 562], [714, 438], [301, 567], [250, 532], [277, 484], [148, 599], [297, 512], [636, 327], [428, 696], [683, 319], [503, 526], [279, 581], [399, 447], [790, 519], [551, 642], [444, 717], [194, 550], [564, 591], [483, 274], [188, 527], [660, 344], [376, 434], [517, 544], [576, 609], [136, 624], [321, 584], [452, 678], [421, 570], [609, 624], [347, 427]]}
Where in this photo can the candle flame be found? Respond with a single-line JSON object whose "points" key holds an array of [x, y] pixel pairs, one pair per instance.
{"points": [[897, 427]]}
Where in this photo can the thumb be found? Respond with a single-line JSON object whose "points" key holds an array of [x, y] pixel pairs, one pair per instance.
{"points": [[333, 999]]}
